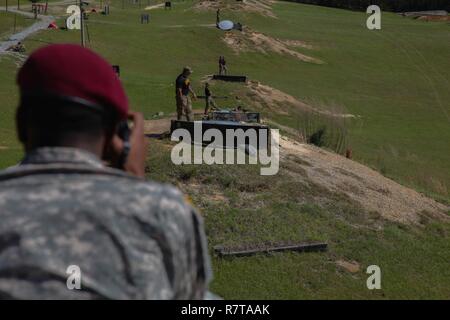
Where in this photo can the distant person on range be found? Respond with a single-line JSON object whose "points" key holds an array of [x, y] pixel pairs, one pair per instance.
{"points": [[209, 100], [223, 70], [183, 90], [217, 17], [64, 213], [19, 47]]}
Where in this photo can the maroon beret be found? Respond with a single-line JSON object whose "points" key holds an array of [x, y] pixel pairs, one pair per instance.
{"points": [[75, 72]]}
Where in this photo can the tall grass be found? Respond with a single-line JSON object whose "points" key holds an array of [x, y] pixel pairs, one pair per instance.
{"points": [[328, 130]]}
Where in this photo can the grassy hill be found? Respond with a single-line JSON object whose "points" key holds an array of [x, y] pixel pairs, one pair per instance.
{"points": [[245, 210], [395, 80]]}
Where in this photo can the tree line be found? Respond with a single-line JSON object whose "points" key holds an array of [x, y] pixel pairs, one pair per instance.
{"points": [[385, 5]]}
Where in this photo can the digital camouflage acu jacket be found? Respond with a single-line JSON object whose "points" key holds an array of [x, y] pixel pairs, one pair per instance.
{"points": [[130, 238]]}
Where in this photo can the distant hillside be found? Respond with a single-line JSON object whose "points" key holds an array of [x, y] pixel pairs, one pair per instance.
{"points": [[388, 5]]}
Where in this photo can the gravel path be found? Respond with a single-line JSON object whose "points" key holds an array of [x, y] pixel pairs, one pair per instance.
{"points": [[41, 23]]}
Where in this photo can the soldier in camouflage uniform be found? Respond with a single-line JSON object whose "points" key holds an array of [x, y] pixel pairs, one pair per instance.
{"points": [[61, 206]]}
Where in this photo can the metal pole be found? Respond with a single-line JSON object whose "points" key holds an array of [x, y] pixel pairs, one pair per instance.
{"points": [[15, 22], [18, 4], [82, 24]]}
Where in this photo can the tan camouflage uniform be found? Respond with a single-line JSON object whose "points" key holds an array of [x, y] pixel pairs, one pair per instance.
{"points": [[131, 239], [184, 106]]}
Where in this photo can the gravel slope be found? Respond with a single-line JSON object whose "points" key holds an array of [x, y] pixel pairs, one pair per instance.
{"points": [[374, 191]]}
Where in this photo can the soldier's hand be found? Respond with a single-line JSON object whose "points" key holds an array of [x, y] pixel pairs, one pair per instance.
{"points": [[135, 163]]}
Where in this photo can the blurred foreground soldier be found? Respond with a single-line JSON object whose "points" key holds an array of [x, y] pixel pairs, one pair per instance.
{"points": [[73, 228], [183, 89]]}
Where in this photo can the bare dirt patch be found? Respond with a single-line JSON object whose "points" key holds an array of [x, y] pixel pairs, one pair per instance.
{"points": [[350, 266], [273, 98], [218, 197], [250, 40], [158, 127], [298, 43], [372, 190], [263, 7], [207, 25], [434, 18], [156, 6], [209, 193]]}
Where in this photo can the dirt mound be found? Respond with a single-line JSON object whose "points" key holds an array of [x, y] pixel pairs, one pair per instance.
{"points": [[156, 6], [373, 191], [157, 127], [297, 43], [205, 25], [263, 7], [249, 40], [350, 266], [273, 98], [434, 18]]}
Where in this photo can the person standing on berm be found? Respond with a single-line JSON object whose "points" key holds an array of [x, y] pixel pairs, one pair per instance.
{"points": [[183, 89]]}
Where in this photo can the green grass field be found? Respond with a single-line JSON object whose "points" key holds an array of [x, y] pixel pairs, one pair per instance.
{"points": [[243, 209], [396, 79]]}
